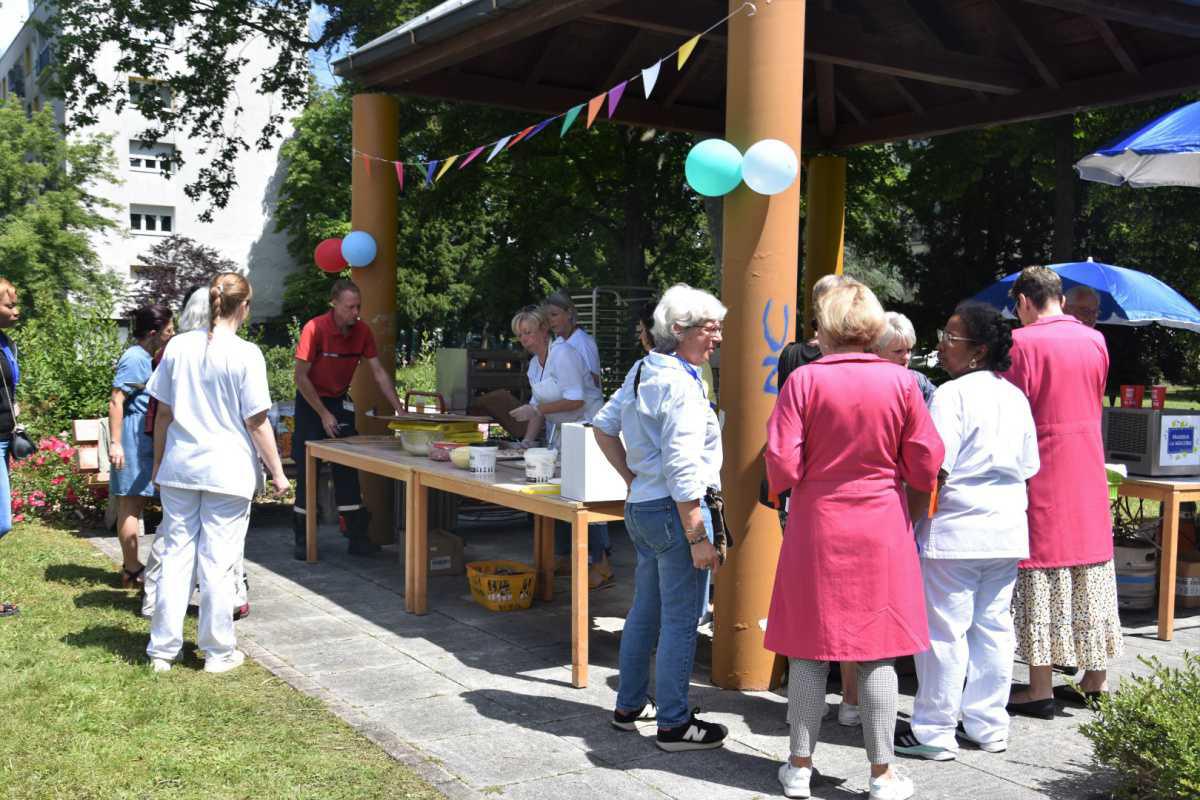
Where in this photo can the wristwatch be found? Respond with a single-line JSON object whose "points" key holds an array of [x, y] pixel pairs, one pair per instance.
{"points": [[701, 536]]}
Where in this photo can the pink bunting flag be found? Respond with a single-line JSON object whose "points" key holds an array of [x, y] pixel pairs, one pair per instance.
{"points": [[614, 97], [400, 175], [471, 156], [594, 108]]}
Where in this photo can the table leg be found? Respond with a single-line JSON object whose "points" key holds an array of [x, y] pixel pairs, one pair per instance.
{"points": [[580, 621], [420, 545], [1166, 567], [310, 505], [410, 536], [544, 557]]}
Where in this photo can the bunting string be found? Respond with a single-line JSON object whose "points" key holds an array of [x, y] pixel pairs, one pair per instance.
{"points": [[433, 169]]}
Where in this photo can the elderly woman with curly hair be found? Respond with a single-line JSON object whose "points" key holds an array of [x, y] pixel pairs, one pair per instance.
{"points": [[847, 433]]}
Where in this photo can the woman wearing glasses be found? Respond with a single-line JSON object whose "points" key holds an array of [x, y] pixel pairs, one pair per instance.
{"points": [[847, 432], [971, 545]]}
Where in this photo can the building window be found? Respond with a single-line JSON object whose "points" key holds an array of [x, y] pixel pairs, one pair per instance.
{"points": [[149, 92], [150, 156], [155, 220]]}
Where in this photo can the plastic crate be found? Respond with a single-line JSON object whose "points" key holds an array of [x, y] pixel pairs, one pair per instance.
{"points": [[501, 592]]}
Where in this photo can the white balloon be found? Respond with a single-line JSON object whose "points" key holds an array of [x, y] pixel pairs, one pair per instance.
{"points": [[770, 166]]}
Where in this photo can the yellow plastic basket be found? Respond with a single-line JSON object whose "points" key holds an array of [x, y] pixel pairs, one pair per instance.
{"points": [[501, 585]]}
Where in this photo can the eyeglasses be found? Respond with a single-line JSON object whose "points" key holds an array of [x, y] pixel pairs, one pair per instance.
{"points": [[950, 338], [709, 329]]}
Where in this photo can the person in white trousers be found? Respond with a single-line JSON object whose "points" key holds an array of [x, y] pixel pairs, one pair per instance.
{"points": [[971, 544], [193, 317], [212, 416]]}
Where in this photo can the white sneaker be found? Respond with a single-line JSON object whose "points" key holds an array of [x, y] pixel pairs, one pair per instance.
{"points": [[848, 715], [993, 747], [224, 663], [795, 780], [160, 664], [896, 787]]}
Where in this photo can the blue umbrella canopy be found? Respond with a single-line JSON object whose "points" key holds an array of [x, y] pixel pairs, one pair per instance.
{"points": [[1165, 152], [1127, 297]]}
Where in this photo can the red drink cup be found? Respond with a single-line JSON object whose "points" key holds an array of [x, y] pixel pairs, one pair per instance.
{"points": [[1158, 397], [1132, 395]]}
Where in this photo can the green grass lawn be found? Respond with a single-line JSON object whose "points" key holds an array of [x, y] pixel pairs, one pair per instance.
{"points": [[82, 716]]}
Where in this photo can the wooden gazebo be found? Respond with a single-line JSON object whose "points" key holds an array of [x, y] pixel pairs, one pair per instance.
{"points": [[819, 74]]}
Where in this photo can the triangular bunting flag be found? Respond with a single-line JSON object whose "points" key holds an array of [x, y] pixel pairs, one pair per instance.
{"points": [[499, 146], [650, 77], [519, 137], [685, 51], [400, 175], [471, 156], [429, 168], [449, 162], [614, 97], [594, 108], [539, 128], [569, 119]]}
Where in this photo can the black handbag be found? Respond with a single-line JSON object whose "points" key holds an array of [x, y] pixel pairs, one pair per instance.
{"points": [[722, 536], [19, 444]]}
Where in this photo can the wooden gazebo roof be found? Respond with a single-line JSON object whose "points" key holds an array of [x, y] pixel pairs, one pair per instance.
{"points": [[876, 70]]}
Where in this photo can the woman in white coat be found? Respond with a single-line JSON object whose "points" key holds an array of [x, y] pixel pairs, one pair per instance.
{"points": [[564, 324], [971, 545], [212, 417], [563, 391]]}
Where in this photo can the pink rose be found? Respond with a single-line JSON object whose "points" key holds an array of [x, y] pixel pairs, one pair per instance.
{"points": [[57, 479], [18, 518]]}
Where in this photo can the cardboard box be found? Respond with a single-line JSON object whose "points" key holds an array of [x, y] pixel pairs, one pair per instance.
{"points": [[586, 474], [445, 553], [1187, 581]]}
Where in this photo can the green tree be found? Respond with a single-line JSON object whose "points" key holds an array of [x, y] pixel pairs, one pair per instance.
{"points": [[174, 265], [48, 210]]}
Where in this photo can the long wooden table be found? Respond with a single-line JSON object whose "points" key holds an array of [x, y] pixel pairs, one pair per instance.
{"points": [[1170, 492], [383, 456]]}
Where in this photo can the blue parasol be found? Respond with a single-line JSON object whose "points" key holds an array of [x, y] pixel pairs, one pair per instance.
{"points": [[1165, 152]]}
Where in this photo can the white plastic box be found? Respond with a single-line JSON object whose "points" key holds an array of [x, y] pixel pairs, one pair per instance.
{"points": [[586, 474]]}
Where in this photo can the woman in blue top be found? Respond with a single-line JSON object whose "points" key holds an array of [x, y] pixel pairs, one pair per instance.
{"points": [[10, 374], [130, 451]]}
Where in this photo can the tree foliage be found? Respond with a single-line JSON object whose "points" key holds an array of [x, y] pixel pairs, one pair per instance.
{"points": [[48, 210], [174, 265]]}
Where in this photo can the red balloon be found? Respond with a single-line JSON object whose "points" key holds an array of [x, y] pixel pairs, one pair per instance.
{"points": [[328, 256]]}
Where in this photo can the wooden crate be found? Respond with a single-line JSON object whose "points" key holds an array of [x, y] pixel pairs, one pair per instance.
{"points": [[91, 447]]}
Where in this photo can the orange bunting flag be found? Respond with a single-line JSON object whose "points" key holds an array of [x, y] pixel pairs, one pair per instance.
{"points": [[400, 175], [685, 51], [513, 141], [445, 166], [594, 106]]}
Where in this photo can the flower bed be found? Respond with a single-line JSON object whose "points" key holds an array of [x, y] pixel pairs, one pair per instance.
{"points": [[47, 485]]}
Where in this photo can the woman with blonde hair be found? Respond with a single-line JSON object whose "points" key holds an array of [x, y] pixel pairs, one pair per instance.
{"points": [[10, 373], [847, 432], [212, 419]]}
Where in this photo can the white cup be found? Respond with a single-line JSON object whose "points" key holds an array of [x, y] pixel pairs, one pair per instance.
{"points": [[482, 459], [539, 464]]}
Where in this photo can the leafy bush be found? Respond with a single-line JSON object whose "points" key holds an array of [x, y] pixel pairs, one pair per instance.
{"points": [[281, 365], [67, 363], [47, 485], [1149, 731]]}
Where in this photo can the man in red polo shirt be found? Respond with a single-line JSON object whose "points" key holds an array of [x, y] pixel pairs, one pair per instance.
{"points": [[329, 351]]}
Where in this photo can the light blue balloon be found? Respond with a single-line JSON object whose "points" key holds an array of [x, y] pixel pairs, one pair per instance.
{"points": [[770, 166], [713, 167], [358, 248]]}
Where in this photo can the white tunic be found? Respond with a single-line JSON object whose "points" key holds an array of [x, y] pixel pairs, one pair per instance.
{"points": [[585, 345]]}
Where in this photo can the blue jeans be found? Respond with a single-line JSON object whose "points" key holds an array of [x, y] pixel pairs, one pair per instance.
{"points": [[667, 596], [6, 522], [597, 540]]}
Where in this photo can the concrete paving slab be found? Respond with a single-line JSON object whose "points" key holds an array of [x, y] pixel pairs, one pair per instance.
{"points": [[512, 754], [597, 783]]}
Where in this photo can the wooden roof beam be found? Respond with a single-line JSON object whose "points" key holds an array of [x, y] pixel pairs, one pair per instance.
{"points": [[544, 99], [909, 98], [624, 66], [1160, 80], [1165, 16], [700, 59], [1120, 49], [1014, 17], [548, 48]]}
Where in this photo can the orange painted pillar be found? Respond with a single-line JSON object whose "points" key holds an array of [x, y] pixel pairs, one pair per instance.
{"points": [[376, 130], [824, 225], [765, 75]]}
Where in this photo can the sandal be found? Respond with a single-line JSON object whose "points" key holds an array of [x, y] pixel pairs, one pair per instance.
{"points": [[133, 578], [8, 610]]}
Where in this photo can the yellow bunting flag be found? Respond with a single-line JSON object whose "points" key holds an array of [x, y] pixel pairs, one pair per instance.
{"points": [[685, 51], [594, 106], [445, 166]]}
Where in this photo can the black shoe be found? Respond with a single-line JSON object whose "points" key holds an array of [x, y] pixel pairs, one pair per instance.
{"points": [[1038, 709], [1074, 697], [362, 547], [300, 551], [627, 722], [1070, 672], [695, 734]]}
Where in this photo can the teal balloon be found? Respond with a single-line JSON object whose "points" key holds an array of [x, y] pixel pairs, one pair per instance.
{"points": [[713, 167]]}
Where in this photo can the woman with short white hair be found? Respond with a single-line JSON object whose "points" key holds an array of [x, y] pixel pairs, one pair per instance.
{"points": [[896, 344], [670, 459]]}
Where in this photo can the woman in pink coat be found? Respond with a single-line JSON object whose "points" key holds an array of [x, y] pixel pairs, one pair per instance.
{"points": [[1065, 601], [847, 432]]}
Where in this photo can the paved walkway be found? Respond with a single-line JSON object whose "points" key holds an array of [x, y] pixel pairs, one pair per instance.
{"points": [[481, 704]]}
